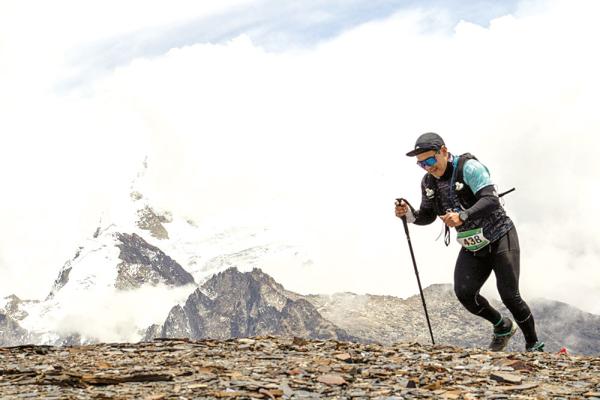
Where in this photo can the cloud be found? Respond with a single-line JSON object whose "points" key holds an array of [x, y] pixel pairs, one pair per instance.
{"points": [[311, 141], [111, 315], [271, 24]]}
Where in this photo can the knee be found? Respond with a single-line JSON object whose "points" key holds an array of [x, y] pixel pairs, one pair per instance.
{"points": [[511, 298], [463, 293]]}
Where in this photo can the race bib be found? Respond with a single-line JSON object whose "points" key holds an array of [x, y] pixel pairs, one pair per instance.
{"points": [[472, 240]]}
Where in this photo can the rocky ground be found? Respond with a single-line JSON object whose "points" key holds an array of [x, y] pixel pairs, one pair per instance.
{"points": [[277, 367]]}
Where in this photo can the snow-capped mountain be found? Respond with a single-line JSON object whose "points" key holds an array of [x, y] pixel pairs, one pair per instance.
{"points": [[146, 273], [138, 264]]}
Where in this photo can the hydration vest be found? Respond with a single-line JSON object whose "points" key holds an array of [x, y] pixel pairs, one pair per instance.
{"points": [[465, 196], [455, 195]]}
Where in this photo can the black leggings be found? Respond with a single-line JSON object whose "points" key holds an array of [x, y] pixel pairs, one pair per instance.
{"points": [[473, 269]]}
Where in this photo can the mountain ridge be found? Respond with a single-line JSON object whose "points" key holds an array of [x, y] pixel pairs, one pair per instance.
{"points": [[149, 274], [239, 304]]}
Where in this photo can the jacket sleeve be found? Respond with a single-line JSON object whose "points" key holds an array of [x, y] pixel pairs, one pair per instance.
{"points": [[487, 201], [425, 215], [477, 176]]}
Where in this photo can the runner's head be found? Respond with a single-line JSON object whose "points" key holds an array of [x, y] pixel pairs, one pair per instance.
{"points": [[431, 153]]}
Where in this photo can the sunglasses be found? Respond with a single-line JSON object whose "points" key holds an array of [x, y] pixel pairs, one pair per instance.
{"points": [[428, 162]]}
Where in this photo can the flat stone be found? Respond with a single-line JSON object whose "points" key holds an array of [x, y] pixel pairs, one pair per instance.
{"points": [[295, 371], [506, 377], [451, 395], [343, 356], [519, 365], [525, 386], [330, 379]]}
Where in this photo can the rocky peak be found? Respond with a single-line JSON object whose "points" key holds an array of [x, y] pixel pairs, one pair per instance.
{"points": [[11, 333], [11, 307], [235, 286], [143, 263], [237, 304], [152, 221], [148, 218]]}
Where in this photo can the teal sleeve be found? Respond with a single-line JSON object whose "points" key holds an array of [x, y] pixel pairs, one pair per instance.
{"points": [[476, 175]]}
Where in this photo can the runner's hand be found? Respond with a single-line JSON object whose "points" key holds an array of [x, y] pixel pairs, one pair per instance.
{"points": [[401, 209], [451, 219]]}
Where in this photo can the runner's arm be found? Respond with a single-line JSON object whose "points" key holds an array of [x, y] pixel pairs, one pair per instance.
{"points": [[425, 215], [477, 177], [487, 201]]}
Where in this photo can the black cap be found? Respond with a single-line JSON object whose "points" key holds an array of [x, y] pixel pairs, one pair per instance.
{"points": [[425, 142]]}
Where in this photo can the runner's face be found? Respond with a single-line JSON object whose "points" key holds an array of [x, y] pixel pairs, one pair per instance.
{"points": [[439, 167]]}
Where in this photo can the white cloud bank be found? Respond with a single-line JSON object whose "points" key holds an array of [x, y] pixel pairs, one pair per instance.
{"points": [[312, 143]]}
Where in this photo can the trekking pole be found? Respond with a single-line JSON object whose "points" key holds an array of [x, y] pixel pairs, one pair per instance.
{"points": [[412, 254], [502, 194]]}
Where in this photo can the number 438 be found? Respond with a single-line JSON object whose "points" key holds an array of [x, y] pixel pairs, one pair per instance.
{"points": [[473, 240]]}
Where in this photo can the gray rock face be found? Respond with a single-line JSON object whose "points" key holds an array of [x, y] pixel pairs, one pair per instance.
{"points": [[235, 304], [63, 275], [389, 319], [153, 222], [61, 280], [143, 263], [11, 333], [13, 309], [560, 324]]}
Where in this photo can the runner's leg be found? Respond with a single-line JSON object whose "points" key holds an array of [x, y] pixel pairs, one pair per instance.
{"points": [[470, 273], [506, 265]]}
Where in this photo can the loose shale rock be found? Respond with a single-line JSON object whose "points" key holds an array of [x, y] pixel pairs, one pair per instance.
{"points": [[290, 368]]}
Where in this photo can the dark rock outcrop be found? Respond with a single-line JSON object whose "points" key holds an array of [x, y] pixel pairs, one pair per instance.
{"points": [[11, 333], [63, 276], [143, 263], [236, 304], [153, 222], [13, 307]]}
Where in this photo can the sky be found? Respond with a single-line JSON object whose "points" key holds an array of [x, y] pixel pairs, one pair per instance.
{"points": [[297, 116]]}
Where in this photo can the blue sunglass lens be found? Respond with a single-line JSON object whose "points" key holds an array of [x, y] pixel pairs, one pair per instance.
{"points": [[428, 162]]}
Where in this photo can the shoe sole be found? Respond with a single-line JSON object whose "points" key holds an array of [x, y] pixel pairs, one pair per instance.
{"points": [[539, 349], [513, 329]]}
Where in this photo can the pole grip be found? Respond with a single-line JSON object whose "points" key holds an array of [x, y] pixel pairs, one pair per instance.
{"points": [[399, 201]]}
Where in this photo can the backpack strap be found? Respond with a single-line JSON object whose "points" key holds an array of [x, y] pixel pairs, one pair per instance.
{"points": [[462, 159], [465, 195], [429, 182]]}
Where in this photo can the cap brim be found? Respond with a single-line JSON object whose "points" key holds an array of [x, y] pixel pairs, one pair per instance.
{"points": [[420, 150]]}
